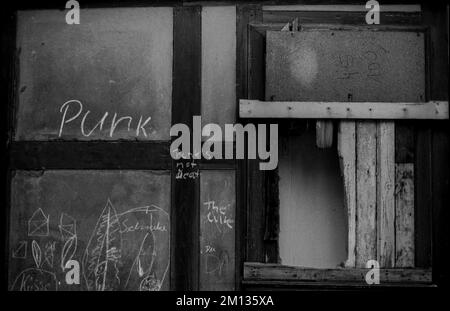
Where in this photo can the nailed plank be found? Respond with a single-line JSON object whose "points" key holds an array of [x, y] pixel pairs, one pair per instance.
{"points": [[341, 8], [366, 242], [385, 193], [346, 145], [260, 271], [404, 215], [343, 110]]}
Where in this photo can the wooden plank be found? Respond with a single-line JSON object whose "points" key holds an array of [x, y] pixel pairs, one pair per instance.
{"points": [[436, 17], [342, 18], [90, 155], [366, 242], [405, 136], [259, 271], [346, 145], [422, 208], [343, 110], [385, 194], [324, 134], [342, 8], [404, 215], [251, 71], [186, 99]]}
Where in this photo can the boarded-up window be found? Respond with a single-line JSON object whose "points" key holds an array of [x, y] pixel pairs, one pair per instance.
{"points": [[108, 78], [342, 65]]}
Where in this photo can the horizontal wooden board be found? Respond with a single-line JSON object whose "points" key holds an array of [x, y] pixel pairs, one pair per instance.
{"points": [[343, 110], [264, 272], [90, 155]]}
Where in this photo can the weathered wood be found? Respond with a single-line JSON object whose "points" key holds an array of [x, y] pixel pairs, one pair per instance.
{"points": [[90, 155], [385, 194], [346, 145], [404, 215], [258, 271], [343, 110], [405, 136], [324, 134], [366, 198], [186, 99], [422, 208], [250, 80], [341, 8]]}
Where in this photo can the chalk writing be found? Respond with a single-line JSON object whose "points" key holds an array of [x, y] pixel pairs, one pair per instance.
{"points": [[139, 128], [188, 170], [217, 214], [35, 279]]}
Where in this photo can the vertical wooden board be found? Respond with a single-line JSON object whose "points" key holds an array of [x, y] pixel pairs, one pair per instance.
{"points": [[217, 230], [186, 103], [218, 64], [423, 196], [385, 193], [250, 84], [324, 133], [366, 237], [346, 145], [404, 215]]}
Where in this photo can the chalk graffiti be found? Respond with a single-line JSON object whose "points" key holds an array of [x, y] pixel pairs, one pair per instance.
{"points": [[38, 224], [20, 252], [35, 279], [103, 252]]}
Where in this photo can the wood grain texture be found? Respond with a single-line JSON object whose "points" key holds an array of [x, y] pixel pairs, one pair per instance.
{"points": [[404, 215], [324, 134], [260, 272], [343, 110], [366, 199], [385, 193], [346, 145], [422, 208]]}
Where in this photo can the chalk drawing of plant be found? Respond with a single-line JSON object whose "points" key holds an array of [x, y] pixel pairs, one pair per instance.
{"points": [[101, 259]]}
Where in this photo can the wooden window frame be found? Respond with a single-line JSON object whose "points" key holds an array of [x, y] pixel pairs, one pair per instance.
{"points": [[127, 155], [261, 262]]}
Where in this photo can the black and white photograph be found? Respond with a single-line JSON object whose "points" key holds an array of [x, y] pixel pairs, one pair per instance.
{"points": [[224, 153]]}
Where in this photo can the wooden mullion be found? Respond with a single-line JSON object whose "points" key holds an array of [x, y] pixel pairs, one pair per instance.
{"points": [[186, 101], [436, 18], [8, 79], [251, 85], [37, 155]]}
